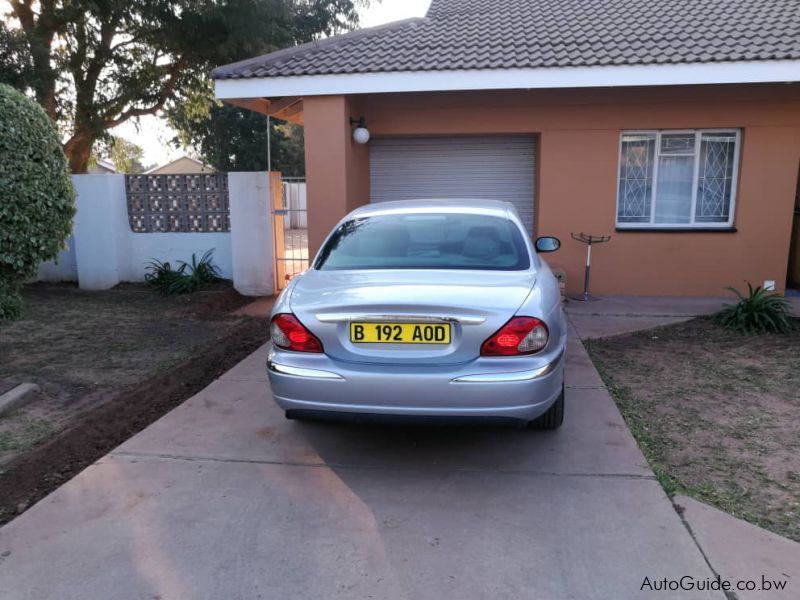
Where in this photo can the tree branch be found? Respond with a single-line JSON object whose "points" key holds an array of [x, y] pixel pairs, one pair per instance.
{"points": [[39, 34], [24, 11], [103, 51], [164, 95]]}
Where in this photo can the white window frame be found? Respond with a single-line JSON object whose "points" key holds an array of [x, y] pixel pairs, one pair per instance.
{"points": [[692, 224]]}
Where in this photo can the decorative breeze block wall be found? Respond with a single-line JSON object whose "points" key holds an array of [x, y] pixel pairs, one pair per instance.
{"points": [[192, 203]]}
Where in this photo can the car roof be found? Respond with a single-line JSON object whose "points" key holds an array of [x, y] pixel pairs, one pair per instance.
{"points": [[466, 206]]}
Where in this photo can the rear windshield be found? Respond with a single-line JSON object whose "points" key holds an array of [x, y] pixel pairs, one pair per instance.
{"points": [[426, 241]]}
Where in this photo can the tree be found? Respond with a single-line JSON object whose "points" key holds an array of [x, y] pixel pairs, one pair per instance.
{"points": [[99, 63], [126, 156], [37, 201], [235, 139], [16, 65]]}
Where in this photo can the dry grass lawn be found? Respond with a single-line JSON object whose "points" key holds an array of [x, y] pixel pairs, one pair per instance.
{"points": [[716, 413], [83, 347]]}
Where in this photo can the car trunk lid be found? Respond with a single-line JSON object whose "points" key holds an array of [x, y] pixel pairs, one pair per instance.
{"points": [[474, 303]]}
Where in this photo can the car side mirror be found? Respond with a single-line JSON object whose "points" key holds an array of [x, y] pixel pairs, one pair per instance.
{"points": [[547, 244]]}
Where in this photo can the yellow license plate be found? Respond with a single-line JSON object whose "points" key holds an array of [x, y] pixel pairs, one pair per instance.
{"points": [[400, 333]]}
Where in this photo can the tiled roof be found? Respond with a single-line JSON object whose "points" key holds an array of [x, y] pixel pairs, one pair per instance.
{"points": [[511, 34]]}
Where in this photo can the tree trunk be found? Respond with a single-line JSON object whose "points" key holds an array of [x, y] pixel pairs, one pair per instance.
{"points": [[45, 83], [46, 96], [78, 150]]}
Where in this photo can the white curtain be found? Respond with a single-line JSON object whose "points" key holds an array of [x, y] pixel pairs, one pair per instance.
{"points": [[674, 189]]}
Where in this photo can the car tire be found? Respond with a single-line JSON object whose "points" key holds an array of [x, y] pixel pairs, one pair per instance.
{"points": [[554, 417]]}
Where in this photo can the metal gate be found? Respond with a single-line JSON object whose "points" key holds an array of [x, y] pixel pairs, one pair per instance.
{"points": [[290, 226]]}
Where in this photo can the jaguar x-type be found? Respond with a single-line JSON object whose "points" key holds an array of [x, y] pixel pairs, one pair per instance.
{"points": [[423, 309]]}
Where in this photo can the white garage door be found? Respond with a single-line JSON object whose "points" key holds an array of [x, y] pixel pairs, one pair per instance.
{"points": [[486, 167]]}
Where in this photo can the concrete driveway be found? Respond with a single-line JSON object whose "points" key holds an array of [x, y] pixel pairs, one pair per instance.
{"points": [[225, 499]]}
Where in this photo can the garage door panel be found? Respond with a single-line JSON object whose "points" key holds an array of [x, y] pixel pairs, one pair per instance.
{"points": [[490, 167]]}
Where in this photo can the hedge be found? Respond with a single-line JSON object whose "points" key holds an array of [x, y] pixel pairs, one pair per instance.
{"points": [[37, 200]]}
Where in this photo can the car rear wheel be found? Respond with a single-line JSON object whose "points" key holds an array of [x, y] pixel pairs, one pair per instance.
{"points": [[554, 417]]}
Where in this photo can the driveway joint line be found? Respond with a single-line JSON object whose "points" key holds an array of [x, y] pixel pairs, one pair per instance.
{"points": [[319, 465], [729, 595], [585, 387]]}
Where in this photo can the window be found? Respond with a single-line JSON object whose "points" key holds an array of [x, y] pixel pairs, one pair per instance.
{"points": [[426, 241], [677, 179]]}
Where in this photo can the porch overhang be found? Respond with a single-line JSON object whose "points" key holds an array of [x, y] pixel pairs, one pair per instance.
{"points": [[289, 108]]}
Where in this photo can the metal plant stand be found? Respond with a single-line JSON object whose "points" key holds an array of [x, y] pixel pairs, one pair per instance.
{"points": [[588, 240]]}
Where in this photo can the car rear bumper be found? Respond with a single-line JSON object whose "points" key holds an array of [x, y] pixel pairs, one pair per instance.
{"points": [[520, 388]]}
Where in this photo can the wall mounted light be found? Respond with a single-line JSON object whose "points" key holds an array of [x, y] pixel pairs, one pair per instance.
{"points": [[360, 133]]}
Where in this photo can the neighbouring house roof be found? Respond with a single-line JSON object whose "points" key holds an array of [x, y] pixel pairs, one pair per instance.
{"points": [[183, 164], [103, 166], [471, 35]]}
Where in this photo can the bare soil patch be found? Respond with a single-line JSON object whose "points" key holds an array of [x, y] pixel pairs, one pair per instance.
{"points": [[109, 364], [716, 413]]}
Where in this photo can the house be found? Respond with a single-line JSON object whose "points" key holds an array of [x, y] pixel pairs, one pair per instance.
{"points": [[102, 167], [673, 126], [182, 165]]}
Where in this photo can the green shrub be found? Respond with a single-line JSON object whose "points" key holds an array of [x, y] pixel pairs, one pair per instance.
{"points": [[186, 277], [10, 301], [37, 201], [758, 312]]}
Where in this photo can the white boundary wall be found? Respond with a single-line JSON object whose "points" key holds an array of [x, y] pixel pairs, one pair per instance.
{"points": [[103, 251], [252, 251], [63, 269]]}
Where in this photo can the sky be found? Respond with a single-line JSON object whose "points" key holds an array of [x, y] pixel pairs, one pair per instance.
{"points": [[393, 10], [153, 135]]}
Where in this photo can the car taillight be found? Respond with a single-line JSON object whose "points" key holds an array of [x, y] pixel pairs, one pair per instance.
{"points": [[290, 334], [521, 335]]}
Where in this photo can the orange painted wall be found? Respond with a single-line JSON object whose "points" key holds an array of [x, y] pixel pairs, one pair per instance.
{"points": [[337, 169], [577, 174]]}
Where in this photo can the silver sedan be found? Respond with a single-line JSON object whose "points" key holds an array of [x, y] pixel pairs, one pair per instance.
{"points": [[423, 310]]}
